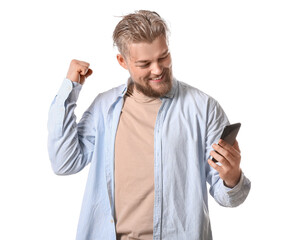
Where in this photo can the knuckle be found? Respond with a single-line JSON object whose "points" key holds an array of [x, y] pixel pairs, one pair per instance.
{"points": [[228, 155], [238, 154], [215, 146], [215, 166], [220, 159], [74, 61], [86, 64]]}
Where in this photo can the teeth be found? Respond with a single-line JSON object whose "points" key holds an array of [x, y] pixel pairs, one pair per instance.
{"points": [[156, 78]]}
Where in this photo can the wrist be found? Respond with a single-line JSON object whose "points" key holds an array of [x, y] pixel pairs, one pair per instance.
{"points": [[233, 182]]}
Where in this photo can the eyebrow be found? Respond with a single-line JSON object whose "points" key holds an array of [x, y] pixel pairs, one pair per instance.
{"points": [[166, 52]]}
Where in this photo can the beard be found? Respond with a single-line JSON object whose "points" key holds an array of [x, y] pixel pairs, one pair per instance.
{"points": [[162, 88]]}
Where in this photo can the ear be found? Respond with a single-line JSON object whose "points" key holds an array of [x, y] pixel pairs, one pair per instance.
{"points": [[122, 61]]}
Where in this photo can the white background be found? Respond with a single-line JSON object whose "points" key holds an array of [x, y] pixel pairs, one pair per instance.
{"points": [[233, 50]]}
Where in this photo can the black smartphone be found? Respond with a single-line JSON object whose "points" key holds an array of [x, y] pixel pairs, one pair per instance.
{"points": [[229, 134]]}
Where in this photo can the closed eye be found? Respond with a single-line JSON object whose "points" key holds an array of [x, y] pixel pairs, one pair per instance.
{"points": [[163, 58], [145, 65]]}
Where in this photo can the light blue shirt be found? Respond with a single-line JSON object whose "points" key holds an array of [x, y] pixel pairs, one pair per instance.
{"points": [[187, 124]]}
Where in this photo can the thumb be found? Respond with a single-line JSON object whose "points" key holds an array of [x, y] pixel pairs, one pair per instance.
{"points": [[89, 73], [84, 76]]}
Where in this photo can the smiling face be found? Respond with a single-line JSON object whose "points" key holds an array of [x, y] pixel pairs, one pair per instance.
{"points": [[149, 65]]}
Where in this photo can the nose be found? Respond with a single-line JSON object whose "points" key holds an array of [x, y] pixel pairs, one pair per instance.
{"points": [[156, 69]]}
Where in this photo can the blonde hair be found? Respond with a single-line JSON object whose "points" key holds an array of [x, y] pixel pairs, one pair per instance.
{"points": [[141, 26]]}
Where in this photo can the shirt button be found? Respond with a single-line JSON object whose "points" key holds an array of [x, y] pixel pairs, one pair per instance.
{"points": [[112, 220]]}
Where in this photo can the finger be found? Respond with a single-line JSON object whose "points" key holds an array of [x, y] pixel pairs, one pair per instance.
{"points": [[231, 155], [225, 153], [229, 150], [84, 64], [214, 165], [82, 78], [89, 73], [82, 70], [76, 64], [224, 162]]}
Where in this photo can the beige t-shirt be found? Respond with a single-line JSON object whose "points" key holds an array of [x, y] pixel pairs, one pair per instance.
{"points": [[134, 167]]}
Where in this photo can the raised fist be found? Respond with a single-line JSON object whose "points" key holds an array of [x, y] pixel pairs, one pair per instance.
{"points": [[79, 71]]}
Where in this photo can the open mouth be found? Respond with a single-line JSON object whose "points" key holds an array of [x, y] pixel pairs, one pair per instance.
{"points": [[157, 79]]}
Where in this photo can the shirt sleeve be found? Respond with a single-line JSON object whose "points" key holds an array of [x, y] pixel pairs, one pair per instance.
{"points": [[228, 197], [70, 145]]}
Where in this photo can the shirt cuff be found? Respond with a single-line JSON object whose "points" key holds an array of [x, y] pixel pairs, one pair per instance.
{"points": [[241, 185], [69, 89]]}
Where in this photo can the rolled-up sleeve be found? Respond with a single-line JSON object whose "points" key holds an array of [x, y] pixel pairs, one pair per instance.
{"points": [[232, 197]]}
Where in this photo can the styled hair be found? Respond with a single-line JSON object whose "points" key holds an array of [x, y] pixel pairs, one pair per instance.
{"points": [[141, 26]]}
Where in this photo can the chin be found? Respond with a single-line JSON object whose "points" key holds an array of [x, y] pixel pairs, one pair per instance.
{"points": [[155, 91]]}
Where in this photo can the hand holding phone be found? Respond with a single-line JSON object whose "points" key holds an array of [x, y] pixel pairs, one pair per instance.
{"points": [[229, 134]]}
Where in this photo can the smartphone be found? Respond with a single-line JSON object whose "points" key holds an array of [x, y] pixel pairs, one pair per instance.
{"points": [[229, 134]]}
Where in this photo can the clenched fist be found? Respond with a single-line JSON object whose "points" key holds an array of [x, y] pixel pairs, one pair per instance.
{"points": [[79, 71]]}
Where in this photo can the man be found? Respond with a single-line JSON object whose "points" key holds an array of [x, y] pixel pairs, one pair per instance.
{"points": [[148, 143]]}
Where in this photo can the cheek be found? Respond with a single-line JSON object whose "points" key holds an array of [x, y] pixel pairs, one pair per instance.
{"points": [[139, 74], [143, 74], [167, 63]]}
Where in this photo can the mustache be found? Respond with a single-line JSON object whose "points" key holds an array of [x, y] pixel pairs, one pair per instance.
{"points": [[164, 73]]}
